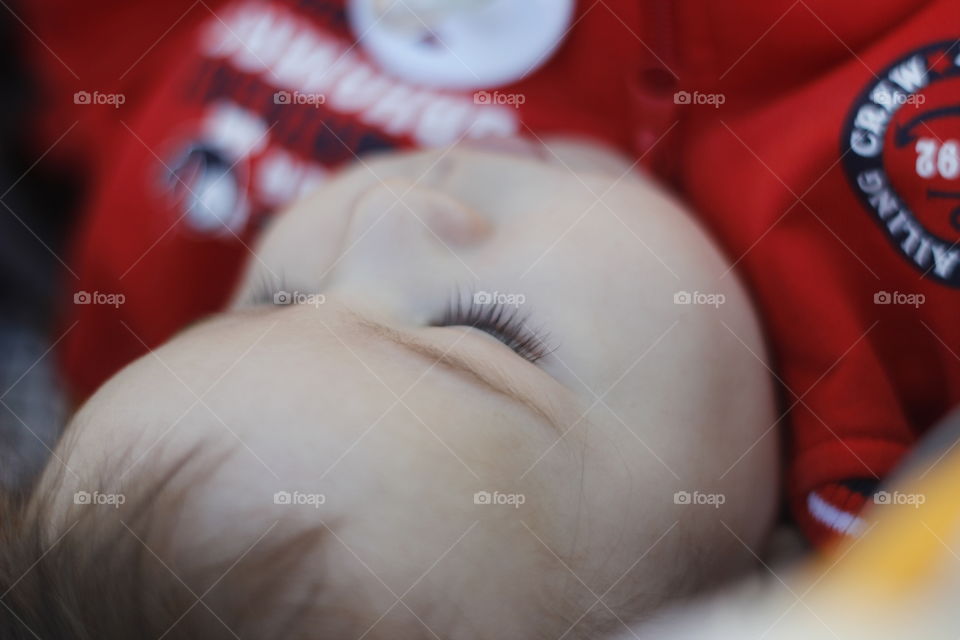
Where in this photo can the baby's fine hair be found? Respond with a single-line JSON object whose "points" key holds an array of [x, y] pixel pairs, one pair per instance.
{"points": [[100, 574], [96, 572]]}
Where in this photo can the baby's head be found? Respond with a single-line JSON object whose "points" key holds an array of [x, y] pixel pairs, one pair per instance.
{"points": [[456, 396]]}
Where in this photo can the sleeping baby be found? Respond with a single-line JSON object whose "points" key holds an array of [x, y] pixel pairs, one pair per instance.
{"points": [[458, 394], [485, 389]]}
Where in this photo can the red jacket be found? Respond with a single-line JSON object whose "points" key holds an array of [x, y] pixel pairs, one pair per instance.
{"points": [[818, 140]]}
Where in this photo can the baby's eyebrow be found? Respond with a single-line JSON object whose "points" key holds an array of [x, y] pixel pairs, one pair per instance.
{"points": [[455, 362]]}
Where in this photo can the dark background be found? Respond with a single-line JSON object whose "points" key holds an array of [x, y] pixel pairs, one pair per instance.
{"points": [[36, 209]]}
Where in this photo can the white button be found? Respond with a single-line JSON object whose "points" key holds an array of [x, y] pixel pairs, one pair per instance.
{"points": [[460, 44]]}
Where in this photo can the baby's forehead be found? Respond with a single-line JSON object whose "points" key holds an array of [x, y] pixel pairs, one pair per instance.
{"points": [[294, 418]]}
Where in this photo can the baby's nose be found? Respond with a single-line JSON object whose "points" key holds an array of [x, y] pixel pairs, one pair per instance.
{"points": [[400, 212]]}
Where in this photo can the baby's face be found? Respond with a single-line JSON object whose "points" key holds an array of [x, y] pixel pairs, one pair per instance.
{"points": [[484, 389]]}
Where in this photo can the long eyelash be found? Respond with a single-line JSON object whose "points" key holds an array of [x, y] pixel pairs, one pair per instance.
{"points": [[504, 322]]}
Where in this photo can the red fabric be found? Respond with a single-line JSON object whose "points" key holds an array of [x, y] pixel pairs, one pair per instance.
{"points": [[862, 379]]}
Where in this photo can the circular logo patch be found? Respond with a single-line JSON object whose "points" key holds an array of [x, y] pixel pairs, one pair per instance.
{"points": [[901, 152]]}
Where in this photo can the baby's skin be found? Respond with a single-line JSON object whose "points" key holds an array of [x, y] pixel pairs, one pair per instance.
{"points": [[520, 390]]}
